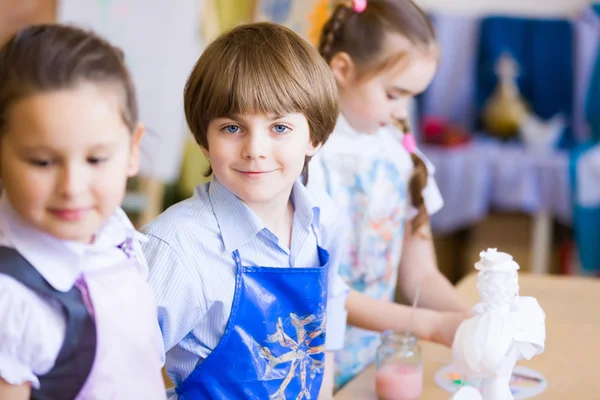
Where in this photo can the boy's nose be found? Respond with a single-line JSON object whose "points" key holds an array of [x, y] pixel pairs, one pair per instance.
{"points": [[255, 146]]}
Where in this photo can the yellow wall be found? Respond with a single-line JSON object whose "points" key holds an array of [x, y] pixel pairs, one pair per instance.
{"points": [[219, 15]]}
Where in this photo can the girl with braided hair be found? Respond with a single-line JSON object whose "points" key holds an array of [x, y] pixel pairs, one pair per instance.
{"points": [[382, 53]]}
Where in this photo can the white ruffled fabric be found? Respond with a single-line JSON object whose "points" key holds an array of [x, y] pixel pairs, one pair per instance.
{"points": [[483, 342], [467, 393], [32, 333]]}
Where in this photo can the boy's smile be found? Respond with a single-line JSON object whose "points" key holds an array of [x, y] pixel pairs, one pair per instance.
{"points": [[259, 157]]}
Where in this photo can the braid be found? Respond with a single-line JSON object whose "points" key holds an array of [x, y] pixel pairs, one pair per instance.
{"points": [[417, 183], [331, 28]]}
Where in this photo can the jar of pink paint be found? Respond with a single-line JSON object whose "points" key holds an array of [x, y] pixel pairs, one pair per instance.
{"points": [[399, 367]]}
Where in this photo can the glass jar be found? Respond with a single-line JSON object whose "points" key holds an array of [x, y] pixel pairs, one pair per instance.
{"points": [[399, 367]]}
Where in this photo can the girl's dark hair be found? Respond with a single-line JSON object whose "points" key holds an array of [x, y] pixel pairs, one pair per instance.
{"points": [[417, 183], [43, 58], [362, 36]]}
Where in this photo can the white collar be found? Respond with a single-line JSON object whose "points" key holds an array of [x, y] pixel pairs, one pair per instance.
{"points": [[236, 231], [59, 261], [343, 126]]}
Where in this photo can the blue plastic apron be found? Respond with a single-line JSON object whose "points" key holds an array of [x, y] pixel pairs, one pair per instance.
{"points": [[274, 343]]}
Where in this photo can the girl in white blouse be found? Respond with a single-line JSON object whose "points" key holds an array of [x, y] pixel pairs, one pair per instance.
{"points": [[382, 53], [78, 318]]}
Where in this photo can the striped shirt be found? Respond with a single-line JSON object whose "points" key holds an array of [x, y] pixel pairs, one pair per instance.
{"points": [[192, 270]]}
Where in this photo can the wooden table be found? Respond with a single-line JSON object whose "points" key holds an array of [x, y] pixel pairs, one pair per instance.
{"points": [[571, 361]]}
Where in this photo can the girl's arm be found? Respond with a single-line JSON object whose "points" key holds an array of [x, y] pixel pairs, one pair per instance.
{"points": [[326, 392], [377, 315], [418, 265], [14, 392]]}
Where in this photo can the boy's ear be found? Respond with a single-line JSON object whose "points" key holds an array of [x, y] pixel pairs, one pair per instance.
{"points": [[312, 149]]}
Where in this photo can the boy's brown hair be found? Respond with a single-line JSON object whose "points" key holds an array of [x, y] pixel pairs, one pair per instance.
{"points": [[259, 69]]}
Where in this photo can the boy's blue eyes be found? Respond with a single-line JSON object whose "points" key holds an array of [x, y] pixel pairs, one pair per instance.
{"points": [[279, 129]]}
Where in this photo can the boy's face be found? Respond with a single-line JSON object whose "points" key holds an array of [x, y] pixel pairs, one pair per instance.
{"points": [[259, 157]]}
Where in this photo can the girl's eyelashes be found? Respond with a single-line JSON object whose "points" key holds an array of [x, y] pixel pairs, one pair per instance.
{"points": [[40, 162], [47, 163], [97, 160]]}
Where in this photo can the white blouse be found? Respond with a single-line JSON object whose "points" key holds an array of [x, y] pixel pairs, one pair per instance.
{"points": [[33, 326], [367, 176]]}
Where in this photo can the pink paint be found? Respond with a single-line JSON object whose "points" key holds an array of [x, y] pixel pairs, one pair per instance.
{"points": [[399, 382]]}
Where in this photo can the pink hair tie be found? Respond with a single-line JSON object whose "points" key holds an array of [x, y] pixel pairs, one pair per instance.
{"points": [[359, 6], [408, 141]]}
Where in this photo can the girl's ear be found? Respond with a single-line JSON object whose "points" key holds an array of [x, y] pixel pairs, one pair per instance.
{"points": [[134, 152], [343, 68]]}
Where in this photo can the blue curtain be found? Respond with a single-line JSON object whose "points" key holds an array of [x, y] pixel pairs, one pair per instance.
{"points": [[543, 50], [586, 220], [592, 109]]}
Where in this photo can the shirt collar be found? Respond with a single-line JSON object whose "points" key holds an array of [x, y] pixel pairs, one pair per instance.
{"points": [[306, 210], [343, 126], [238, 223], [59, 261]]}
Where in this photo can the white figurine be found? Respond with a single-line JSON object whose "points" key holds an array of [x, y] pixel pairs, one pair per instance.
{"points": [[467, 393], [505, 329]]}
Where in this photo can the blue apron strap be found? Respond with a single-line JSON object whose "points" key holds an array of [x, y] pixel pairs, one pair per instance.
{"points": [[237, 259]]}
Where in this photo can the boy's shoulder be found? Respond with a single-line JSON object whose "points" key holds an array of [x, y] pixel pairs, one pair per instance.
{"points": [[192, 217], [328, 215]]}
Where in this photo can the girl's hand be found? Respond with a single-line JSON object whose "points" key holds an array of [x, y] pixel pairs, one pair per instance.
{"points": [[14, 392], [326, 392], [446, 326]]}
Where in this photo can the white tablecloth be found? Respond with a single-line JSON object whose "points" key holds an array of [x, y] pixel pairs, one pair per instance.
{"points": [[487, 174]]}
